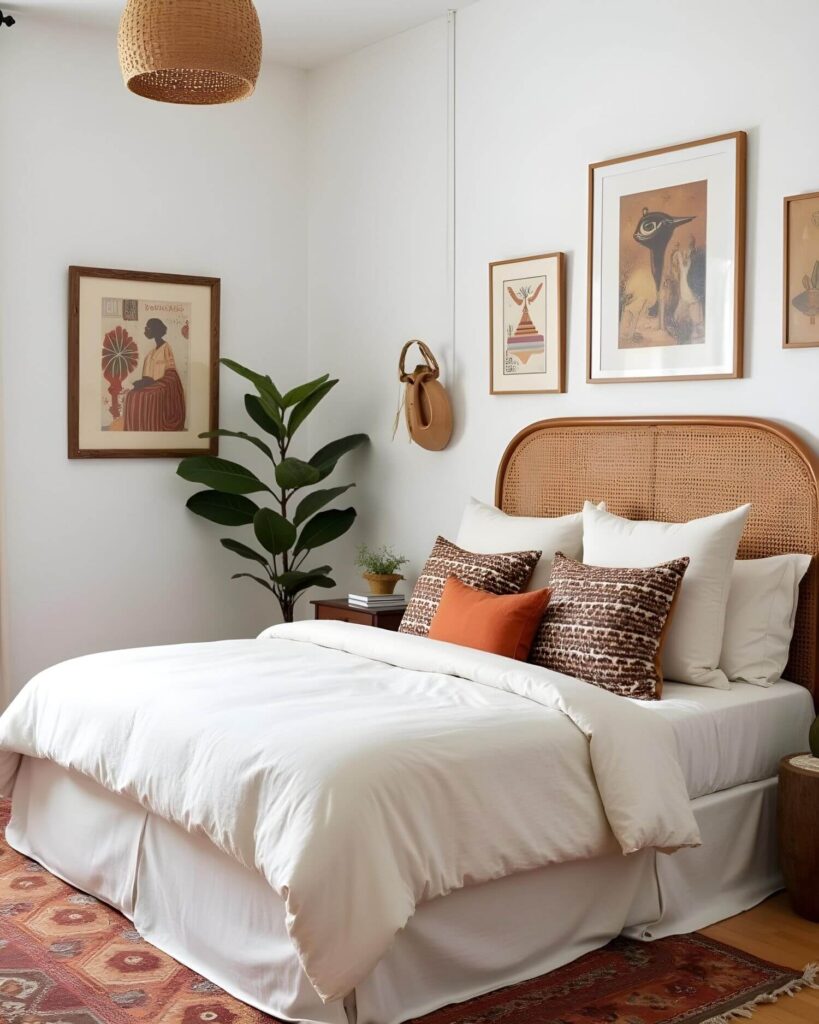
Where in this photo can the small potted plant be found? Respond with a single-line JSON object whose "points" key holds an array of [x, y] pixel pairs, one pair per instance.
{"points": [[379, 565]]}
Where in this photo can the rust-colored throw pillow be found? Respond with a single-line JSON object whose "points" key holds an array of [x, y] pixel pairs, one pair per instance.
{"points": [[499, 624], [607, 625], [506, 573]]}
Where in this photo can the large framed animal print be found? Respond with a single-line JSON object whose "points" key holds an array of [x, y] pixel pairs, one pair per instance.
{"points": [[143, 364], [667, 263]]}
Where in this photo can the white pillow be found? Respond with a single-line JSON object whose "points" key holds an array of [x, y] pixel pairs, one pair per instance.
{"points": [[488, 531], [692, 649], [760, 618]]}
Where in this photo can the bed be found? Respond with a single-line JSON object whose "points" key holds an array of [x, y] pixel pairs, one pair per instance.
{"points": [[161, 874]]}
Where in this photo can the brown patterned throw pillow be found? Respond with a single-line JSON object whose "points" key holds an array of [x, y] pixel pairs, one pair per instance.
{"points": [[607, 626], [506, 573]]}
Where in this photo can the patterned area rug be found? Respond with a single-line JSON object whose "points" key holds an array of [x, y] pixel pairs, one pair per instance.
{"points": [[686, 979], [66, 958]]}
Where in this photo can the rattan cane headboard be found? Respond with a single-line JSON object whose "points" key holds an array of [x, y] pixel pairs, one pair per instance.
{"points": [[679, 468]]}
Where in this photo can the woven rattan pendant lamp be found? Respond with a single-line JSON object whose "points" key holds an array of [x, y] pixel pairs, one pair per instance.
{"points": [[190, 51]]}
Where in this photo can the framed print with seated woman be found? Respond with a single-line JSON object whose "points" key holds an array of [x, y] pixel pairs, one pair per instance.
{"points": [[667, 263], [143, 364]]}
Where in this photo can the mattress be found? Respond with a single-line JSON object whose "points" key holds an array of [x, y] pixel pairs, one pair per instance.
{"points": [[726, 738]]}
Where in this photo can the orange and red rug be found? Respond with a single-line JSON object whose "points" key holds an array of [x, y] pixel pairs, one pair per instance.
{"points": [[66, 958]]}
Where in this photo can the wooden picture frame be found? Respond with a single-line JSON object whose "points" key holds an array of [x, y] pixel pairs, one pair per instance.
{"points": [[527, 325], [660, 307], [143, 364], [800, 305]]}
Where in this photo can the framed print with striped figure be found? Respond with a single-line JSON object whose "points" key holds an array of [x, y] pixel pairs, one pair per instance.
{"points": [[527, 347]]}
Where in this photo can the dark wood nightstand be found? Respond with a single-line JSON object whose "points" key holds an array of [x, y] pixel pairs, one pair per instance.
{"points": [[798, 826], [340, 608]]}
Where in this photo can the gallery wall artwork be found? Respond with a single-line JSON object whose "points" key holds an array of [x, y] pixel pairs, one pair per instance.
{"points": [[800, 315], [666, 263], [527, 325], [143, 364]]}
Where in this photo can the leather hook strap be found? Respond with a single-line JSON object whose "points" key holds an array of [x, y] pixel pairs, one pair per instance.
{"points": [[432, 367]]}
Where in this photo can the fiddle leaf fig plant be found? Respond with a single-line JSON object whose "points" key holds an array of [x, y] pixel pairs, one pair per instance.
{"points": [[289, 532]]}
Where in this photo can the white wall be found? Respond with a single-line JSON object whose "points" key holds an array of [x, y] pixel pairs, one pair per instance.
{"points": [[378, 255], [544, 87], [103, 554], [90, 174]]}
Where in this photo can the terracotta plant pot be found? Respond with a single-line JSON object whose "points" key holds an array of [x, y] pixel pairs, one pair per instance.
{"points": [[382, 583]]}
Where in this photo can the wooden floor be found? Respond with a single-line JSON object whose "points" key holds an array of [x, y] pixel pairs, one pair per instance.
{"points": [[772, 931]]}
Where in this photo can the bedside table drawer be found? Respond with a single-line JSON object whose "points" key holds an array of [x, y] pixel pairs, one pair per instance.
{"points": [[344, 615], [342, 611]]}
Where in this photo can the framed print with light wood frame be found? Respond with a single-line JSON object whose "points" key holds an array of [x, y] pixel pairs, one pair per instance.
{"points": [[143, 364], [800, 290], [666, 268], [527, 325]]}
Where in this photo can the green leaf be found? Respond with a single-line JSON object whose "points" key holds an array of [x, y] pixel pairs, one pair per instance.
{"points": [[256, 411], [250, 576], [316, 500], [272, 410], [225, 509], [296, 582], [273, 531], [293, 473], [815, 275], [325, 527], [263, 384], [307, 405], [326, 458], [242, 549], [296, 395], [220, 474], [245, 437], [326, 582]]}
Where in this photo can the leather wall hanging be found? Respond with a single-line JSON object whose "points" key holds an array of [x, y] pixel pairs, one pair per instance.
{"points": [[426, 401]]}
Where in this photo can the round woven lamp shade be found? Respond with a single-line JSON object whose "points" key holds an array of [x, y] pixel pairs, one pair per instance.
{"points": [[190, 51]]}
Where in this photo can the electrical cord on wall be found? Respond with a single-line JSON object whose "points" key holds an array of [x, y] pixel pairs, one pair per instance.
{"points": [[6, 20], [451, 111]]}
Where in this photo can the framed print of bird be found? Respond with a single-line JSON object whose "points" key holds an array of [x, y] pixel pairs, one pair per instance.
{"points": [[666, 263]]}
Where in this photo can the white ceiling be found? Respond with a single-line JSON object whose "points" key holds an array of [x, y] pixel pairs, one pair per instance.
{"points": [[301, 33]]}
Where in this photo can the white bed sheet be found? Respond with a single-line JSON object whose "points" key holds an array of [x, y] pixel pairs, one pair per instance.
{"points": [[478, 938], [356, 767], [727, 738], [474, 940]]}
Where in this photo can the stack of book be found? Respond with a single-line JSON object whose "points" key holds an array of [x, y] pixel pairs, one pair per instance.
{"points": [[377, 602]]}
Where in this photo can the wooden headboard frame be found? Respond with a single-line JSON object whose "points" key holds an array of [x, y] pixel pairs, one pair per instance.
{"points": [[677, 468]]}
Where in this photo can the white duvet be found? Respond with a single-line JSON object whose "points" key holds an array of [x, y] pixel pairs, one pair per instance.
{"points": [[360, 771]]}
